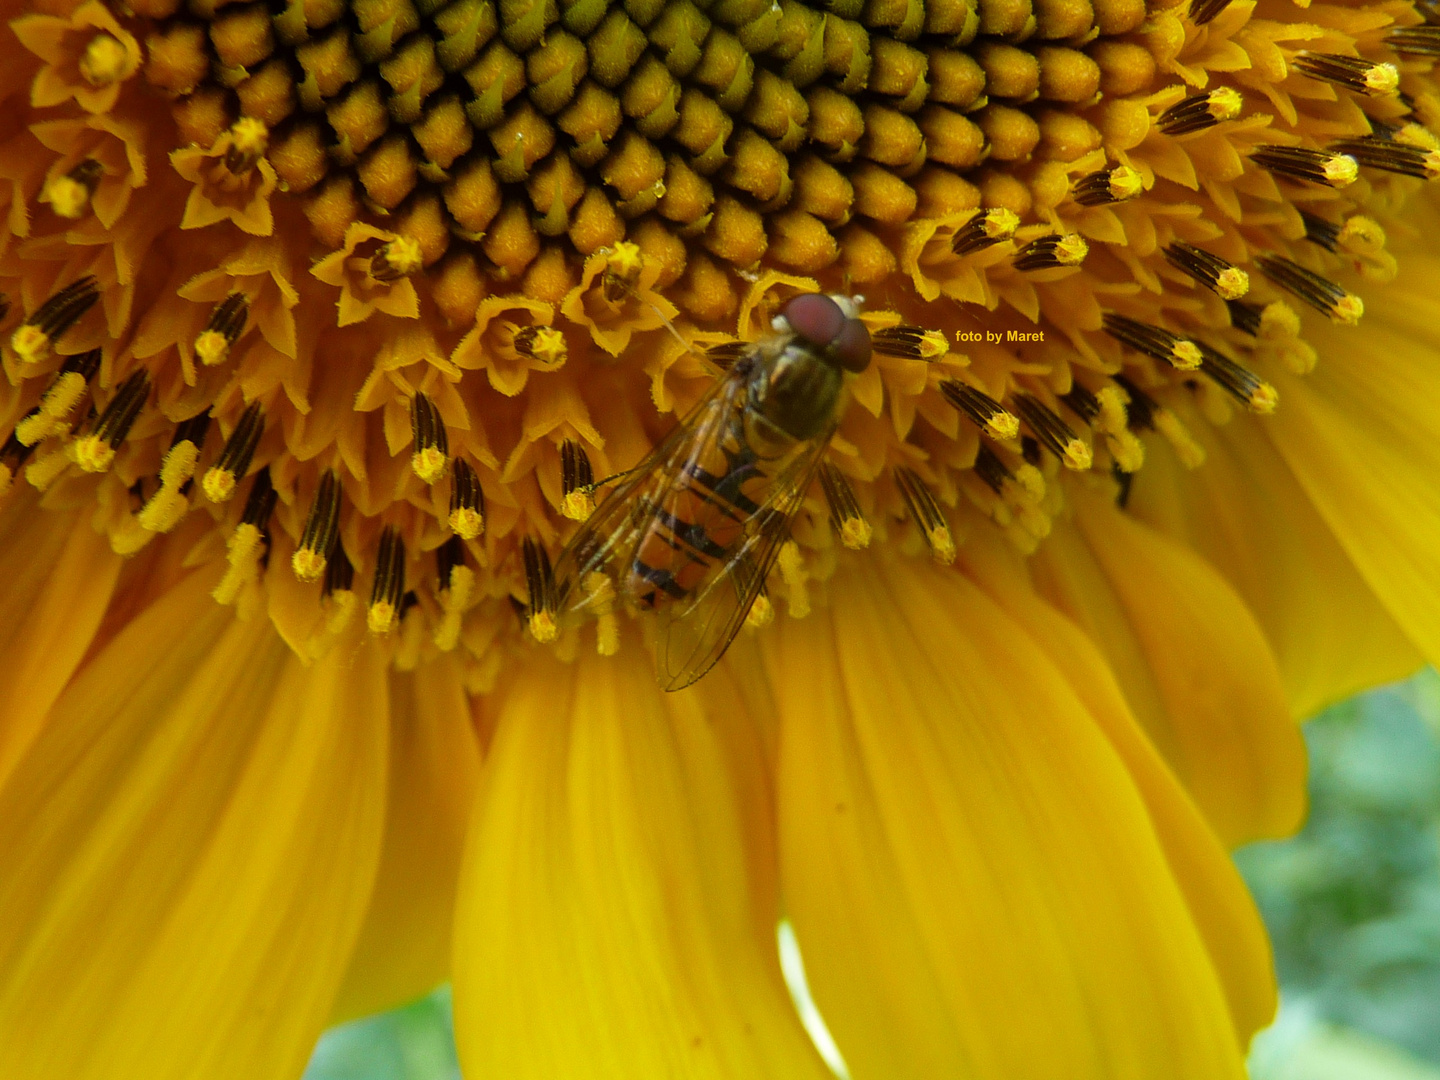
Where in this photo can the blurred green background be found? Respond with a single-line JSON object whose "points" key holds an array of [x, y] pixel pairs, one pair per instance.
{"points": [[1352, 902]]}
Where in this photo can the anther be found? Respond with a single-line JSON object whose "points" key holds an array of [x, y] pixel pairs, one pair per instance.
{"points": [[577, 482], [387, 591], [164, 509], [1361, 76], [432, 444], [456, 591], [623, 264], [1116, 183], [1275, 319], [1201, 111], [96, 450], [845, 516], [600, 602], [1202, 11], [34, 337], [540, 583], [1227, 281], [1239, 382], [234, 461], [60, 399], [1315, 166], [542, 343], [245, 546], [1396, 157], [985, 228], [1322, 294], [227, 323], [467, 502], [1048, 252], [981, 409], [249, 139], [1319, 231], [104, 61], [399, 258], [1180, 353], [1054, 434], [906, 342], [69, 195], [1415, 40], [322, 530], [926, 513]]}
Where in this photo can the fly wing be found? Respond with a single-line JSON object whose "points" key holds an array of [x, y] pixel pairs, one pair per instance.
{"points": [[696, 631], [608, 538]]}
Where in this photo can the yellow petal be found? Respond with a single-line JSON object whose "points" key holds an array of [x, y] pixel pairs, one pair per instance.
{"points": [[1360, 434], [58, 576], [1192, 662], [404, 947], [1217, 897], [1247, 515], [613, 921], [974, 880], [186, 853]]}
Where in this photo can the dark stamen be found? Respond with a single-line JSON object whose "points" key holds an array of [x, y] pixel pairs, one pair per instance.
{"points": [[981, 409], [1053, 432], [1313, 166], [1320, 293], [1224, 279]]}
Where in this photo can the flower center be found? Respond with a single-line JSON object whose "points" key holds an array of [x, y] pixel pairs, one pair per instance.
{"points": [[379, 304]]}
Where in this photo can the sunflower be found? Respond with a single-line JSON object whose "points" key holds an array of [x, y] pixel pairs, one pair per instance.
{"points": [[326, 321]]}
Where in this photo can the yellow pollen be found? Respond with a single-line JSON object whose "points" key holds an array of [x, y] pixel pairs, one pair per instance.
{"points": [[218, 484], [793, 572], [1031, 481], [380, 618], [855, 533], [1279, 319], [1071, 250], [55, 407], [42, 472], [1077, 455], [308, 564], [624, 260], [579, 504], [68, 197], [242, 557], [1418, 136], [454, 601], [104, 61], [1232, 283], [1186, 356], [600, 599], [932, 345], [1225, 103], [1348, 309], [211, 347], [1190, 452], [1127, 449], [1263, 399], [428, 464], [30, 344], [401, 257], [942, 544], [548, 345], [163, 511], [250, 136], [1362, 235], [1000, 224], [92, 453], [1432, 164], [1382, 79], [761, 613], [466, 523], [1125, 183], [1003, 426], [543, 627], [1341, 170], [1114, 416]]}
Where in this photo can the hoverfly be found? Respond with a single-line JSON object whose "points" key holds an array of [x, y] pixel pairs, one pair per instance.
{"points": [[692, 532]]}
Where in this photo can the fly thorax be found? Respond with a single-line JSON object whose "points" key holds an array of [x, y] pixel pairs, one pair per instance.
{"points": [[799, 393]]}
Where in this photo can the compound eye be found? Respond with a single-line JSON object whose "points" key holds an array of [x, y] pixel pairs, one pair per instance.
{"points": [[816, 318], [851, 348]]}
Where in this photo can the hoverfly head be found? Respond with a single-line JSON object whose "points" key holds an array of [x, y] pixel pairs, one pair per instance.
{"points": [[830, 324]]}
